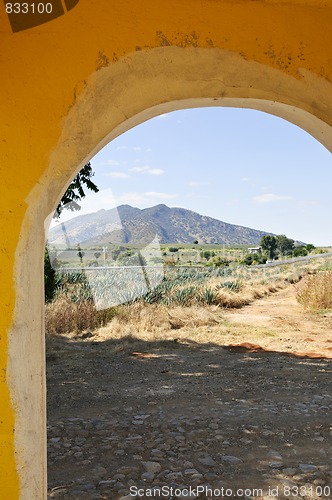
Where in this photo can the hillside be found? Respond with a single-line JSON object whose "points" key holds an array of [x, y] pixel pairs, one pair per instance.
{"points": [[126, 224]]}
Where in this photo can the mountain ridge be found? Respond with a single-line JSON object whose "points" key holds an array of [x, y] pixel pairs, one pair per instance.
{"points": [[127, 224]]}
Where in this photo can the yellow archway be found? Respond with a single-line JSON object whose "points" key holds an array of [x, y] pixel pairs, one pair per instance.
{"points": [[70, 86]]}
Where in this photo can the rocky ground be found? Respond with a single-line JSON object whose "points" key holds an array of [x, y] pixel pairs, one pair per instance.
{"points": [[178, 419]]}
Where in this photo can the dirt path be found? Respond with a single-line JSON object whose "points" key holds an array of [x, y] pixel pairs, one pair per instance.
{"points": [[279, 323], [182, 414]]}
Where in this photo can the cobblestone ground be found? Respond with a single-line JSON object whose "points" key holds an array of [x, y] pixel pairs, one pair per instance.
{"points": [[186, 421]]}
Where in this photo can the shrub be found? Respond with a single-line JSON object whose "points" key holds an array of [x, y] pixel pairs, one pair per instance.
{"points": [[74, 286], [207, 254], [234, 286], [208, 296], [248, 259], [300, 251], [253, 259], [319, 251], [183, 296], [155, 295], [220, 262]]}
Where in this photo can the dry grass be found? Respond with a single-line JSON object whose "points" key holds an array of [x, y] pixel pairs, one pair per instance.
{"points": [[140, 327], [136, 325], [315, 292], [62, 316], [154, 322]]}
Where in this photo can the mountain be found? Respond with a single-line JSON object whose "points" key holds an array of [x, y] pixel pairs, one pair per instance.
{"points": [[126, 224]]}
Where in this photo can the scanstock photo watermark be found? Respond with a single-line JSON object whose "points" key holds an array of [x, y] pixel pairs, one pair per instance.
{"points": [[110, 284], [141, 269], [26, 15], [195, 492], [304, 491]]}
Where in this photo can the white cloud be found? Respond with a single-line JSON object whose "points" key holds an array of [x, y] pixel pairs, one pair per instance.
{"points": [[103, 199], [118, 175], [137, 148], [147, 170], [146, 199], [148, 150], [270, 197], [199, 183], [155, 171], [245, 179], [119, 148], [138, 169], [110, 163]]}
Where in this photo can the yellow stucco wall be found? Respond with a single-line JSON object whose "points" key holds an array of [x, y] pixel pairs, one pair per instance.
{"points": [[56, 80]]}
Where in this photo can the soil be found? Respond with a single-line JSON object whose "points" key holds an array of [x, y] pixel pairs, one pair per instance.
{"points": [[283, 326], [251, 412]]}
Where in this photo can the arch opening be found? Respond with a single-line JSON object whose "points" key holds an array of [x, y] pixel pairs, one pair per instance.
{"points": [[147, 356]]}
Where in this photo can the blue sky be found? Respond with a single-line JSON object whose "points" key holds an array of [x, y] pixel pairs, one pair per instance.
{"points": [[238, 165]]}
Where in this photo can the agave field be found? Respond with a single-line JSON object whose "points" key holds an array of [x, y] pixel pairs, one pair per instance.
{"points": [[88, 299], [109, 287]]}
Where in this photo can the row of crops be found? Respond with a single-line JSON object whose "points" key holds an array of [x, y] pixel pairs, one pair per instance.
{"points": [[110, 287]]}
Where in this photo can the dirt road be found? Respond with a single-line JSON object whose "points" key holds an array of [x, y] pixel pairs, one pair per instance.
{"points": [[207, 420]]}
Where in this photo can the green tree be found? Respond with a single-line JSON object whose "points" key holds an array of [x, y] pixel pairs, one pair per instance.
{"points": [[285, 245], [76, 191], [269, 245], [70, 200], [310, 247], [49, 277]]}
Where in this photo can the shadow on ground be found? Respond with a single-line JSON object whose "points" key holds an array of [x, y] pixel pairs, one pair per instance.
{"points": [[224, 416]]}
